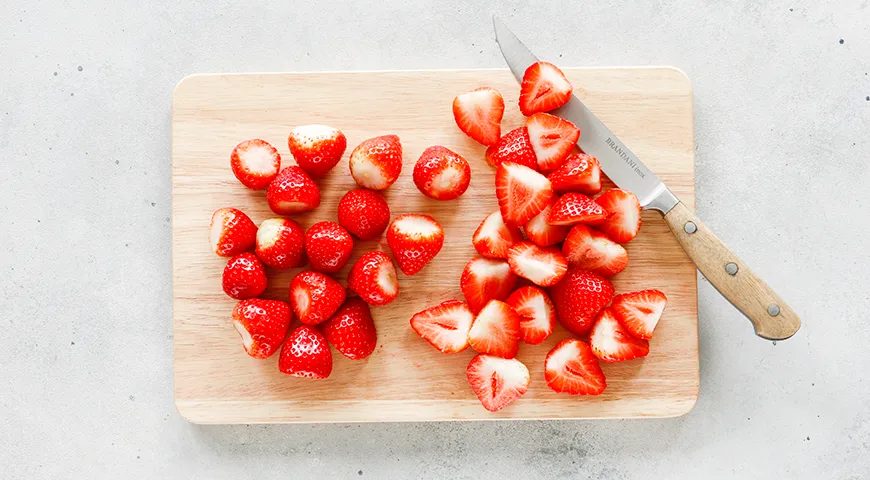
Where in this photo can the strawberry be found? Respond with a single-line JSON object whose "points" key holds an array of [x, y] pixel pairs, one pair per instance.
{"points": [[441, 173], [536, 311], [496, 330], [493, 237], [414, 239], [544, 266], [292, 191], [590, 249], [639, 312], [255, 163], [497, 382], [281, 243], [373, 277], [539, 230], [573, 208], [624, 221], [377, 162], [478, 114], [572, 368], [552, 139], [578, 173], [315, 297], [578, 299], [364, 213], [522, 192], [485, 279], [231, 232], [544, 88], [445, 326], [515, 146], [262, 324], [611, 342], [328, 246], [351, 330], [305, 353], [244, 276], [316, 148]]}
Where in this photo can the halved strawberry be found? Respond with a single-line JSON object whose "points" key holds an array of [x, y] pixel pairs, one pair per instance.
{"points": [[578, 299], [639, 312], [315, 297], [478, 114], [544, 266], [522, 192], [255, 163], [578, 173], [552, 139], [305, 353], [590, 249], [539, 230], [572, 368], [485, 279], [496, 330], [414, 239], [281, 243], [497, 382], [292, 191], [611, 342], [231, 232], [516, 147], [316, 148], [441, 173], [544, 88], [493, 237], [573, 208], [536, 311], [445, 326], [373, 277], [624, 221], [377, 162]]}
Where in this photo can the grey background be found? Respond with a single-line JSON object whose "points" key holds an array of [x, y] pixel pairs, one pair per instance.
{"points": [[781, 114]]}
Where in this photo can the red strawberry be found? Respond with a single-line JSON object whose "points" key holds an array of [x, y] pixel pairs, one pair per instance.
{"points": [[305, 354], [328, 246], [231, 232], [579, 173], [281, 243], [262, 324], [445, 326], [316, 148], [441, 173], [544, 266], [624, 221], [493, 237], [364, 213], [572, 368], [315, 297], [496, 330], [639, 312], [552, 139], [414, 240], [373, 277], [578, 299], [544, 88], [478, 114], [292, 191], [573, 208], [255, 163], [352, 330], [522, 192], [377, 162], [244, 276], [611, 342], [590, 249], [536, 311], [516, 147], [485, 279], [539, 230], [497, 382]]}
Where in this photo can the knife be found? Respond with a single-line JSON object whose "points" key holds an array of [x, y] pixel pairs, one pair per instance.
{"points": [[770, 315]]}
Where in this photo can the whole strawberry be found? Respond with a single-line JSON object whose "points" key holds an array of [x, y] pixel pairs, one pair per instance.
{"points": [[281, 243], [441, 173], [579, 297], [262, 324], [373, 277], [315, 297], [305, 353], [255, 163], [244, 276], [316, 148], [351, 330], [377, 162], [415, 239], [292, 191], [328, 246], [231, 232], [364, 213]]}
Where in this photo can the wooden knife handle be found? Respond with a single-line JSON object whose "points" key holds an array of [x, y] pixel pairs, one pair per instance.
{"points": [[769, 314]]}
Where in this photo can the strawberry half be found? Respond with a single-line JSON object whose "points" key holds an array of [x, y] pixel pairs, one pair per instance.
{"points": [[493, 238], [539, 230], [281, 243], [579, 173], [315, 297], [328, 246], [579, 297], [497, 382], [364, 213], [414, 239], [544, 266], [306, 354], [573, 208], [231, 232], [445, 326], [590, 249], [478, 114], [572, 368], [255, 163], [292, 191], [536, 311], [373, 277], [496, 330], [441, 173], [244, 277], [522, 192], [639, 312], [377, 162], [352, 330], [624, 221], [544, 88], [552, 139], [485, 279], [262, 324], [611, 342], [316, 148], [516, 147]]}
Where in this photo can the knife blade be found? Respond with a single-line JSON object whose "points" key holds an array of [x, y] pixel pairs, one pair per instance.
{"points": [[771, 317]]}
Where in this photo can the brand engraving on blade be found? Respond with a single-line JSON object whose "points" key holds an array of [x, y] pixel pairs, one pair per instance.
{"points": [[626, 157]]}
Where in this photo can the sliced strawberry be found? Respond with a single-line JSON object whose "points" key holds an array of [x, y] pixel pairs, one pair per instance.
{"points": [[497, 382], [377, 162], [611, 342], [493, 237], [544, 266], [281, 243], [255, 163], [262, 324], [292, 191], [414, 239], [552, 139], [639, 312], [590, 249], [579, 173], [485, 279], [539, 230], [445, 326], [315, 297], [478, 114], [373, 277], [306, 354], [496, 330], [544, 88], [231, 232], [351, 330], [536, 311], [572, 368], [573, 208], [328, 246], [244, 277], [624, 221], [515, 147], [364, 213], [579, 297], [522, 192], [316, 148], [441, 173]]}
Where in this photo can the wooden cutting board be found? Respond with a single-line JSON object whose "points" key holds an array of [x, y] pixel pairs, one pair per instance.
{"points": [[405, 379]]}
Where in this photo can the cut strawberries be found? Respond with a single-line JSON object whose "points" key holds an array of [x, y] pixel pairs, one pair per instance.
{"points": [[315, 297], [573, 208], [373, 277], [578, 299], [493, 238], [231, 232], [485, 279], [522, 192], [515, 147], [579, 173], [497, 382], [262, 324], [496, 330], [590, 249], [441, 173], [305, 353], [244, 276], [377, 162], [352, 330], [639, 312], [611, 342], [316, 148], [255, 163], [552, 139], [624, 221], [281, 243], [414, 239], [328, 246], [544, 88], [292, 191], [539, 230], [478, 114], [544, 266], [445, 326], [364, 213], [572, 368], [536, 311]]}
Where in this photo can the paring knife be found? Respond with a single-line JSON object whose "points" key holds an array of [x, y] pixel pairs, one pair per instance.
{"points": [[769, 314]]}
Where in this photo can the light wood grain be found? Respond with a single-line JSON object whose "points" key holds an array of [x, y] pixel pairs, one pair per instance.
{"points": [[406, 379]]}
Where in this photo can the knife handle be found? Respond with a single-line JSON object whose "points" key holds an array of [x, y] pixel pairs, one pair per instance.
{"points": [[772, 318]]}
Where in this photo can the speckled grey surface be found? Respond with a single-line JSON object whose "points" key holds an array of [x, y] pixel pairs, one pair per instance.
{"points": [[781, 110]]}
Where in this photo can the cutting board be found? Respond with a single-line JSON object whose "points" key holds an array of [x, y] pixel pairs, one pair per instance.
{"points": [[405, 379]]}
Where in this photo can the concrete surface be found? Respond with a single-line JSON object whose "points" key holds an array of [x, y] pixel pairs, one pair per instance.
{"points": [[782, 98]]}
